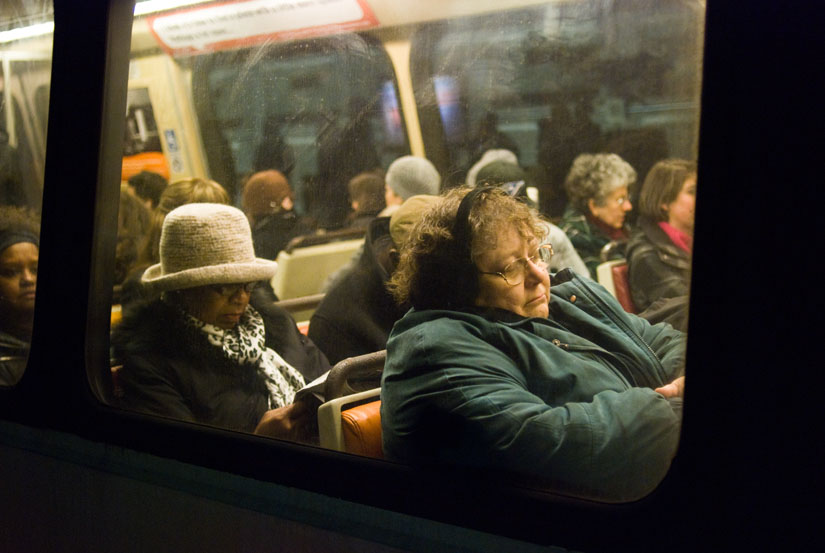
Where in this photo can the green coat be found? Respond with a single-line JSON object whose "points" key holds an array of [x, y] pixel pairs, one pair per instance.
{"points": [[586, 238], [566, 401]]}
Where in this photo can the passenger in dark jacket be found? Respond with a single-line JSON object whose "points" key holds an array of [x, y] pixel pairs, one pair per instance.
{"points": [[488, 371], [659, 252], [19, 253], [201, 352], [357, 313], [268, 204]]}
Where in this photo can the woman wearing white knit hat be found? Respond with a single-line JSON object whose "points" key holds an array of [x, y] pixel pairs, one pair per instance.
{"points": [[200, 352]]}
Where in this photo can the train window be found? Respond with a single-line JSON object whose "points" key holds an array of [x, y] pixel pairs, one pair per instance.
{"points": [[319, 111], [25, 55], [219, 108], [553, 81]]}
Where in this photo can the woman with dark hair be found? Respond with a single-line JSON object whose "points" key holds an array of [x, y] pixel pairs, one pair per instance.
{"points": [[659, 252], [598, 192], [366, 195], [19, 252], [490, 370], [201, 352]]}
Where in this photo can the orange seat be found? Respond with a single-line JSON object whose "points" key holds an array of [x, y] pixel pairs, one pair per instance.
{"points": [[361, 427], [117, 314], [622, 287]]}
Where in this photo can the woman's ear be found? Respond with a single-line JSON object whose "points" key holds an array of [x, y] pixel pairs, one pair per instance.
{"points": [[591, 205]]}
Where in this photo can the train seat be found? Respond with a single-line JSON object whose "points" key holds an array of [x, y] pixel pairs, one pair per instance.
{"points": [[352, 423], [117, 386], [301, 309], [361, 427], [613, 276], [350, 420], [116, 315], [303, 271]]}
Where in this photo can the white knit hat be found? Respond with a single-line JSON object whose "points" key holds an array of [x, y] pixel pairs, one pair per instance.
{"points": [[488, 157], [204, 244], [409, 176]]}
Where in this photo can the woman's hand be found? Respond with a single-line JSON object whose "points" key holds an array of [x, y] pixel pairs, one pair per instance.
{"points": [[288, 422], [674, 389]]}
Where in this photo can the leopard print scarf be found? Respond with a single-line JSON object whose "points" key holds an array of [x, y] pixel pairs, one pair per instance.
{"points": [[246, 344]]}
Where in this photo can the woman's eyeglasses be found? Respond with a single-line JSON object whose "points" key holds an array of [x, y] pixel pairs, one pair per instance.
{"points": [[229, 290], [516, 271]]}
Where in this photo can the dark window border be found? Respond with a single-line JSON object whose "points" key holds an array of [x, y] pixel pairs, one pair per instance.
{"points": [[737, 442]]}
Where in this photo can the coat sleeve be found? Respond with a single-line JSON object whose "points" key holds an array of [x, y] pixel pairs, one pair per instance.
{"points": [[616, 446], [665, 342], [149, 388], [650, 279]]}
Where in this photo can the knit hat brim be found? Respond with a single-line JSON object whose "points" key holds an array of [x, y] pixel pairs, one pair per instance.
{"points": [[258, 269]]}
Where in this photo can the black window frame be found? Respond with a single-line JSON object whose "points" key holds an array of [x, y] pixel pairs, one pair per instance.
{"points": [[738, 436]]}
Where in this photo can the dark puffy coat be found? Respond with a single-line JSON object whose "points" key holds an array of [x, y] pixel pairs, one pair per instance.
{"points": [[271, 233], [357, 313], [13, 355], [564, 401], [172, 370], [656, 268]]}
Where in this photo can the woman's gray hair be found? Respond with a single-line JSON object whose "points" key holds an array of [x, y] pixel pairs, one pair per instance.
{"points": [[595, 176]]}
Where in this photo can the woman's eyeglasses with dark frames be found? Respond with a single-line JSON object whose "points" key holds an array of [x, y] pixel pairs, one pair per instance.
{"points": [[515, 272], [229, 290]]}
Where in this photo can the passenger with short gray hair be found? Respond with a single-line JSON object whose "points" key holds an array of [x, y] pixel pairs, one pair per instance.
{"points": [[409, 176], [598, 192]]}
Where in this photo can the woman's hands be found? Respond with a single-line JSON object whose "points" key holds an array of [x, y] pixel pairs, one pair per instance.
{"points": [[674, 389], [290, 422]]}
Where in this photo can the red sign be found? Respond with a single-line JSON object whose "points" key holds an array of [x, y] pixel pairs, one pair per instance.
{"points": [[249, 22]]}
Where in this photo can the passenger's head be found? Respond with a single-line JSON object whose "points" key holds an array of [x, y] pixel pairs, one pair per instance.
{"points": [[207, 263], [19, 251], [669, 193], [148, 186], [408, 176], [192, 190], [488, 157], [404, 219], [366, 192], [459, 253], [178, 193], [265, 193], [133, 222], [598, 185], [506, 175]]}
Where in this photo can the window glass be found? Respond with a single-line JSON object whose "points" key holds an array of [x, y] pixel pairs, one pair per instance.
{"points": [[25, 58], [555, 81], [262, 141], [319, 111]]}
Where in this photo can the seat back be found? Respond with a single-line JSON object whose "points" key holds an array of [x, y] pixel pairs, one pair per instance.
{"points": [[303, 271], [361, 427], [355, 374], [613, 276], [116, 316], [622, 287], [301, 309], [363, 423]]}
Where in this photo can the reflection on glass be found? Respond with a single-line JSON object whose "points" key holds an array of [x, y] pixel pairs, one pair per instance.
{"points": [[19, 250], [25, 67], [304, 132]]}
